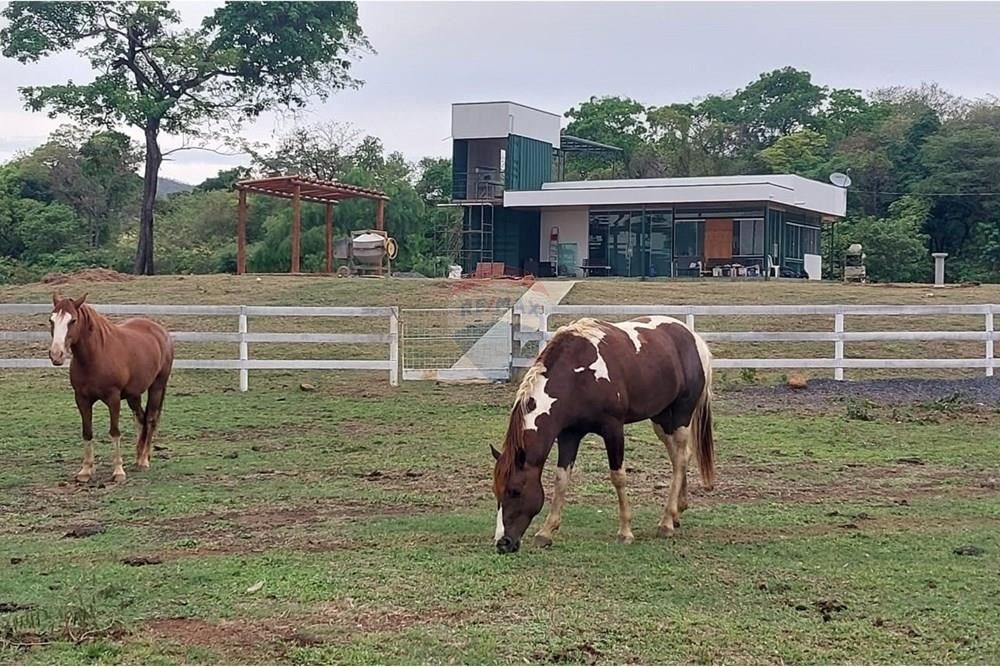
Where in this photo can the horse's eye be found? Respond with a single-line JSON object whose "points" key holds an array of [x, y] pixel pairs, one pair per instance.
{"points": [[72, 321]]}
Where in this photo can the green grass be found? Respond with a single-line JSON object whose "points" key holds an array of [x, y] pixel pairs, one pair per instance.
{"points": [[369, 520], [366, 512]]}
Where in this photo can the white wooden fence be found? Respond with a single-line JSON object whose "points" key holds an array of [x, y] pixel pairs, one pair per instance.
{"points": [[839, 336], [531, 323], [242, 335]]}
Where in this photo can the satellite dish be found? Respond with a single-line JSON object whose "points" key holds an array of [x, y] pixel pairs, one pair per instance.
{"points": [[840, 180]]}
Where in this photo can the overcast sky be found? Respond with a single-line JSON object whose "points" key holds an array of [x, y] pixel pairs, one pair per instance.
{"points": [[552, 55]]}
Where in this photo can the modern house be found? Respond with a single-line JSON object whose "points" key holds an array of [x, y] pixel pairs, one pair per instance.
{"points": [[508, 177]]}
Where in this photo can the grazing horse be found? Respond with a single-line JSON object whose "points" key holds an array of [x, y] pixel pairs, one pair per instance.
{"points": [[111, 362], [595, 377]]}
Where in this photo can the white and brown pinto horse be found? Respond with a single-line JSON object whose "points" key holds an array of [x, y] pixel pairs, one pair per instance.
{"points": [[596, 377], [111, 362]]}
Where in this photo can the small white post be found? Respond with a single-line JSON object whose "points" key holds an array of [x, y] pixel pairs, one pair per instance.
{"points": [[543, 326], [838, 345], [989, 342], [690, 321], [939, 268], [394, 347], [244, 351]]}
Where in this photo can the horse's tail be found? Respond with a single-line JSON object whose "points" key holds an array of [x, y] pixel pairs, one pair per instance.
{"points": [[701, 422]]}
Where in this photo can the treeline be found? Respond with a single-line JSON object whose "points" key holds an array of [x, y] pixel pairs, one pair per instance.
{"points": [[73, 203], [924, 165]]}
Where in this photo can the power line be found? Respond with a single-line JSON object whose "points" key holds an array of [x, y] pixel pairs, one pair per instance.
{"points": [[927, 194]]}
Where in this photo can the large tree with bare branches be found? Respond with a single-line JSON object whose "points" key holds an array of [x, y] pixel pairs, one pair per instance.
{"points": [[158, 76]]}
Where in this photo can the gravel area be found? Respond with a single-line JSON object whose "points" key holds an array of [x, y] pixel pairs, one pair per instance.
{"points": [[983, 391]]}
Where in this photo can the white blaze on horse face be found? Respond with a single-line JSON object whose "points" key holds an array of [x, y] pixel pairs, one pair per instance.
{"points": [[60, 328], [632, 327], [543, 402], [498, 533]]}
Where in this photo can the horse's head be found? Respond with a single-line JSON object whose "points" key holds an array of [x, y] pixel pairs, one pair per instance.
{"points": [[517, 485], [63, 326]]}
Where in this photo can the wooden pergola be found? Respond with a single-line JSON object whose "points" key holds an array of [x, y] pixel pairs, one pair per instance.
{"points": [[300, 189]]}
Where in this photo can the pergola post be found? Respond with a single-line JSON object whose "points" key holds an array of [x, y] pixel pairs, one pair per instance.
{"points": [[329, 238], [241, 234], [296, 226]]}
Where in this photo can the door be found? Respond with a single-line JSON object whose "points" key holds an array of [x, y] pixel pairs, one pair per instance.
{"points": [[568, 263], [718, 238]]}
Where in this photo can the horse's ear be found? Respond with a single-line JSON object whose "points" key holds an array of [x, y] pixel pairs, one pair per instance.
{"points": [[79, 302], [55, 298], [496, 454]]}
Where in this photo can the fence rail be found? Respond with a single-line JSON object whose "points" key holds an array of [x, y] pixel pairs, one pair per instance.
{"points": [[244, 364], [839, 336], [487, 343]]}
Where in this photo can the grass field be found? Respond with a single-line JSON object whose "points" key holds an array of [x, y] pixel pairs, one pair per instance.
{"points": [[353, 523]]}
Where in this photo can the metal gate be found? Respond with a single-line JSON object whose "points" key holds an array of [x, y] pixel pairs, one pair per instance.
{"points": [[456, 344]]}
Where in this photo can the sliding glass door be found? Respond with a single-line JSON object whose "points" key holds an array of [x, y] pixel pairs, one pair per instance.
{"points": [[633, 243]]}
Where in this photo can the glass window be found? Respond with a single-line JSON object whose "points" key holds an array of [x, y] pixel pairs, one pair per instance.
{"points": [[687, 241], [748, 238], [800, 241], [660, 242]]}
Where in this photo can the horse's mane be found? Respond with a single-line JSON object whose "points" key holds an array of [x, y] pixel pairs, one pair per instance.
{"points": [[514, 439]]}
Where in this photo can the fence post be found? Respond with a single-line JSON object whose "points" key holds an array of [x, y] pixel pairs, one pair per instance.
{"points": [[394, 346], [989, 341], [516, 345], [244, 350], [838, 345], [690, 321], [543, 326]]}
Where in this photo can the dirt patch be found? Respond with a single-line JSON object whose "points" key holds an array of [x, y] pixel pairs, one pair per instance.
{"points": [[258, 529], [272, 638], [86, 276], [812, 483], [262, 639], [876, 526]]}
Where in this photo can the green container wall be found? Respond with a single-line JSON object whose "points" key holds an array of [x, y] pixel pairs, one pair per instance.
{"points": [[529, 163], [516, 236], [459, 169]]}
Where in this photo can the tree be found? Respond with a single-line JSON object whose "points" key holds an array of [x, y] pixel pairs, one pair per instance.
{"points": [[95, 175], [226, 179], [435, 182], [324, 151], [895, 247], [154, 75], [778, 103], [962, 163], [802, 153], [616, 121]]}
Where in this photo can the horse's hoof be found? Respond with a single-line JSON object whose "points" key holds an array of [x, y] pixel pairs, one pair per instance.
{"points": [[142, 465], [83, 478], [626, 539], [543, 542], [664, 531], [118, 477]]}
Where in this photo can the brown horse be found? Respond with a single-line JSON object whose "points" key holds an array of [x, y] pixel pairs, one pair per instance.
{"points": [[595, 377], [111, 362]]}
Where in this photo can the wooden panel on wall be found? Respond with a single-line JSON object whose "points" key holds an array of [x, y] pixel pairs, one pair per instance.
{"points": [[718, 238]]}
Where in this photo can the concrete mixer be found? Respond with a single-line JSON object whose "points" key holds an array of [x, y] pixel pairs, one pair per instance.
{"points": [[368, 251]]}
